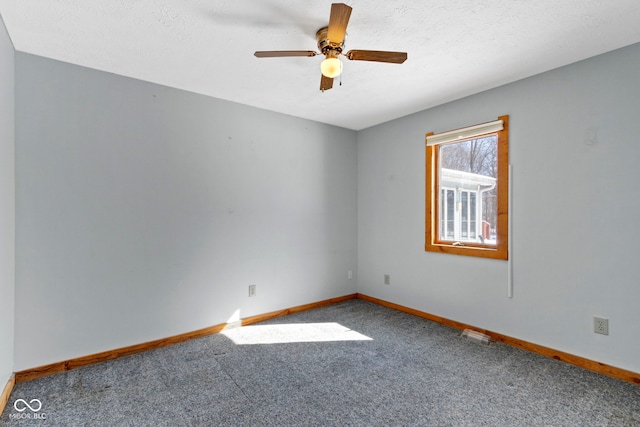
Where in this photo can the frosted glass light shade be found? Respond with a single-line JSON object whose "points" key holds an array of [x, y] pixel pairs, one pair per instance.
{"points": [[331, 67]]}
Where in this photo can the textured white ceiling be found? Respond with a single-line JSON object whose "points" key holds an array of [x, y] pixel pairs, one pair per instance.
{"points": [[455, 47]]}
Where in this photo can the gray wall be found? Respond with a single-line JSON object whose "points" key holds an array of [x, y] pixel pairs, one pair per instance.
{"points": [[575, 148], [7, 205], [144, 211]]}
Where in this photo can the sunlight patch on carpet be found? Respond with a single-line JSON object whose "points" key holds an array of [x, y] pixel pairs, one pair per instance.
{"points": [[293, 333]]}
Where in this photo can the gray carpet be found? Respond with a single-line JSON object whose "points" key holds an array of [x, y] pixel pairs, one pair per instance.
{"points": [[356, 363]]}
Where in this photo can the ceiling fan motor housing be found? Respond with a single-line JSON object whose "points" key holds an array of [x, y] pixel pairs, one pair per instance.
{"points": [[327, 47]]}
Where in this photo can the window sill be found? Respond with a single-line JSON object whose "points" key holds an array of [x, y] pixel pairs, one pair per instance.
{"points": [[475, 250]]}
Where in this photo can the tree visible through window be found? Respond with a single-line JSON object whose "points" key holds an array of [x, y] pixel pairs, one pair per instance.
{"points": [[467, 183]]}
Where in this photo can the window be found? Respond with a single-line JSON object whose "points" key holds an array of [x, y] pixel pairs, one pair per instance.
{"points": [[467, 191]]}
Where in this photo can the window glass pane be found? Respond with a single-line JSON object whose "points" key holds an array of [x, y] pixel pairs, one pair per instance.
{"points": [[442, 213], [450, 215], [471, 167], [464, 230], [472, 216]]}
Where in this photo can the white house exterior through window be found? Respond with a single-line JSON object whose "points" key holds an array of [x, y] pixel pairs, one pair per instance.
{"points": [[461, 206]]}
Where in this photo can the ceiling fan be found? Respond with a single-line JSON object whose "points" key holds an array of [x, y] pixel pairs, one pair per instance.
{"points": [[330, 43]]}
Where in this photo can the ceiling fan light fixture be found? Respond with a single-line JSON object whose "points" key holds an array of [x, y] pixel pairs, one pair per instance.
{"points": [[330, 41], [331, 67]]}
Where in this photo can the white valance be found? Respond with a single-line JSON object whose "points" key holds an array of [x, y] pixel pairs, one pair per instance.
{"points": [[465, 133]]}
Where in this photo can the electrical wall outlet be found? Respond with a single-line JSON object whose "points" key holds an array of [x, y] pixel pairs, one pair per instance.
{"points": [[387, 279], [252, 290], [601, 325], [350, 274]]}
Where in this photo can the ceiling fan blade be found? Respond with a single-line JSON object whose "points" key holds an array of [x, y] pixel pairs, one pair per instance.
{"points": [[338, 21], [326, 83], [283, 53], [377, 56]]}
